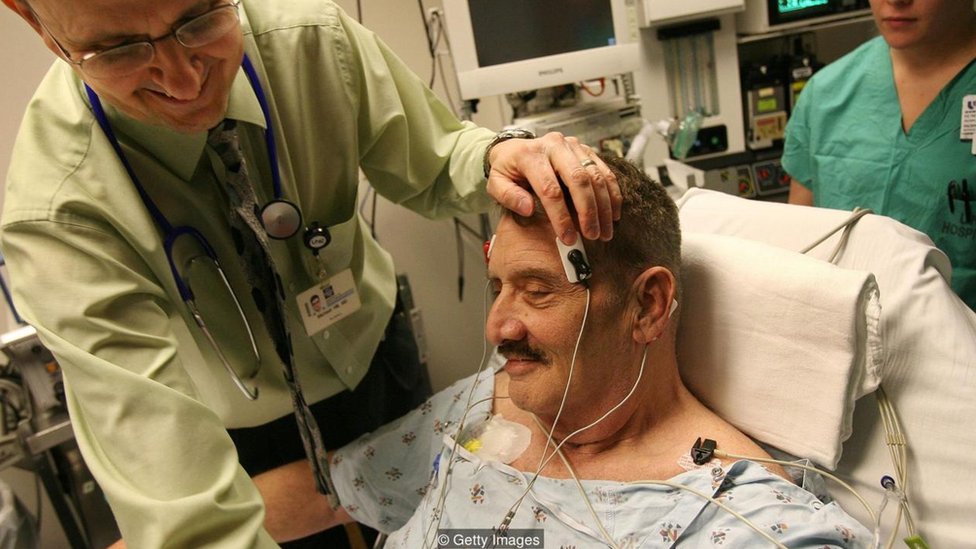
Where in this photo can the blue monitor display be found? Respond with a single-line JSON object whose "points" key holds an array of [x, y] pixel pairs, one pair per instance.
{"points": [[788, 6]]}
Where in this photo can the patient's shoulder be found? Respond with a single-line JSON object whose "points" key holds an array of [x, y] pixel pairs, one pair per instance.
{"points": [[733, 445]]}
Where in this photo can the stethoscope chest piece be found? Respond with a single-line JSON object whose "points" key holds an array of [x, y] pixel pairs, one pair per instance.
{"points": [[281, 219]]}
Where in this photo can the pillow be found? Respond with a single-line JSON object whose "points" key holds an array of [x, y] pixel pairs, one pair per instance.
{"points": [[776, 343], [929, 360]]}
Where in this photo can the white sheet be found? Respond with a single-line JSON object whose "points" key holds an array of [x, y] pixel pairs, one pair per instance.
{"points": [[929, 338], [767, 329]]}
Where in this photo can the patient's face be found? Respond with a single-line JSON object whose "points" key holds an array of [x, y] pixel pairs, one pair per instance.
{"points": [[535, 320]]}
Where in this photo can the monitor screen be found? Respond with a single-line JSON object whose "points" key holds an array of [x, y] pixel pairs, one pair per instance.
{"points": [[786, 11], [504, 46], [788, 6], [509, 30]]}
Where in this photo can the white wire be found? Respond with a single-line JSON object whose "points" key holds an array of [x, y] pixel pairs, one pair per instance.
{"points": [[579, 485], [856, 215], [558, 451], [710, 499], [569, 380], [542, 460], [849, 488], [842, 243], [897, 448], [895, 439], [898, 451], [887, 413], [640, 374], [441, 498]]}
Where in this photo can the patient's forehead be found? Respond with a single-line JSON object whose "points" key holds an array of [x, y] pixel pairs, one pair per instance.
{"points": [[519, 245]]}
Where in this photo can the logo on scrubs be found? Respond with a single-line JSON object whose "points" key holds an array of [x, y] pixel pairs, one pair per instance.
{"points": [[960, 199]]}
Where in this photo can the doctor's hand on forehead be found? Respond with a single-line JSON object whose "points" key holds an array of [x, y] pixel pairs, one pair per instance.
{"points": [[552, 166]]}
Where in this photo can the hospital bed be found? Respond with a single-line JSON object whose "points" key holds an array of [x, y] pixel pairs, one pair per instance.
{"points": [[791, 349]]}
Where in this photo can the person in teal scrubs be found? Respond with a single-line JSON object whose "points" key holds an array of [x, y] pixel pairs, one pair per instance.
{"points": [[882, 128]]}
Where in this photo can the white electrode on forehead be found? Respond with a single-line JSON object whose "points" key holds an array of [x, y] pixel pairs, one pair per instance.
{"points": [[575, 263]]}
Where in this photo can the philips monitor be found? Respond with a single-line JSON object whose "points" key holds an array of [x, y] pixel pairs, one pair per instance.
{"points": [[506, 46]]}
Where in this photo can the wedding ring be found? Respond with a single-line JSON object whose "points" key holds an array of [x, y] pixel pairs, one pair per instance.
{"points": [[588, 162]]}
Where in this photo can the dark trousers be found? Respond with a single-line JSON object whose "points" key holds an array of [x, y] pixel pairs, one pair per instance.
{"points": [[396, 383]]}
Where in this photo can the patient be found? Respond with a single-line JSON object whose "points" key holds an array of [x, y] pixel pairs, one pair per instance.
{"points": [[625, 419]]}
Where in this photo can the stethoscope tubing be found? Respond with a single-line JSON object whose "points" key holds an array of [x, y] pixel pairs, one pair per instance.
{"points": [[171, 233]]}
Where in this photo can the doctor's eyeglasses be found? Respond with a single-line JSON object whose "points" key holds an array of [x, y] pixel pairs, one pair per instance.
{"points": [[129, 57], [201, 264]]}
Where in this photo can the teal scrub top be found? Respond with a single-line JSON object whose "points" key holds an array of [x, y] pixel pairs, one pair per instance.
{"points": [[845, 142]]}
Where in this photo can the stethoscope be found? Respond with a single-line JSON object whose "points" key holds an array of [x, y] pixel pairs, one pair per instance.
{"points": [[280, 219]]}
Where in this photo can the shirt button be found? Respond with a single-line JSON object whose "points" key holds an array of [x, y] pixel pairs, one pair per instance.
{"points": [[325, 334], [348, 369]]}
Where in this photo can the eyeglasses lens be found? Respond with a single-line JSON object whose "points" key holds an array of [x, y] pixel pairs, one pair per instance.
{"points": [[197, 32]]}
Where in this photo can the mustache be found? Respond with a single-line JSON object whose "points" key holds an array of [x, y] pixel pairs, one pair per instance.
{"points": [[522, 350]]}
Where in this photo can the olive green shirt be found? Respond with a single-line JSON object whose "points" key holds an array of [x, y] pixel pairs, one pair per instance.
{"points": [[149, 400]]}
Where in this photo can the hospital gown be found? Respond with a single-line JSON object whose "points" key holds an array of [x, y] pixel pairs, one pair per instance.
{"points": [[393, 479]]}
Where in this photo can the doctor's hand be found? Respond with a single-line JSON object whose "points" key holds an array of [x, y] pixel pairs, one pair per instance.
{"points": [[542, 164]]}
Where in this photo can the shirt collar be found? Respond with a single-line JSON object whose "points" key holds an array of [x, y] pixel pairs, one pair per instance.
{"points": [[180, 152]]}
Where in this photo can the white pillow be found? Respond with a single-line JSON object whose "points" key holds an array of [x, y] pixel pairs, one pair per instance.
{"points": [[929, 339], [777, 343]]}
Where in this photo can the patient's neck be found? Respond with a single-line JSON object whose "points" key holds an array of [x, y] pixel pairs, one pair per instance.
{"points": [[649, 437], [644, 438]]}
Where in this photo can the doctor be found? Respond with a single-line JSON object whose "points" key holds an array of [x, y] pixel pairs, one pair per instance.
{"points": [[890, 127], [183, 181]]}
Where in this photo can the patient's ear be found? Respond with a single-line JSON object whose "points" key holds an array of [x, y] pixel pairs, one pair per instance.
{"points": [[655, 290]]}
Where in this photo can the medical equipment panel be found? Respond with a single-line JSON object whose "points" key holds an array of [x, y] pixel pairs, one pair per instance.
{"points": [[762, 16], [37, 436], [608, 125], [657, 12]]}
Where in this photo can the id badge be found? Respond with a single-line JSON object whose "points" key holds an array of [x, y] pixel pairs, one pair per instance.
{"points": [[328, 302], [967, 127]]}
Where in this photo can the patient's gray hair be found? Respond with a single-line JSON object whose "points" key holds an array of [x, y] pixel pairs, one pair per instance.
{"points": [[648, 233]]}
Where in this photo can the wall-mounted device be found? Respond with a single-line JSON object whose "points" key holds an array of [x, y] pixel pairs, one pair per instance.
{"points": [[507, 46], [762, 16], [693, 66], [764, 104], [666, 12], [607, 126], [752, 178], [770, 178], [798, 73]]}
